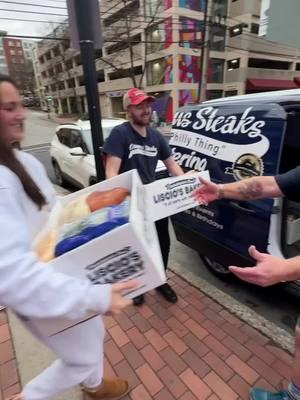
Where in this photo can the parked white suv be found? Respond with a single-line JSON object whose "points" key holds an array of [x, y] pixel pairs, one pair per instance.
{"points": [[72, 153]]}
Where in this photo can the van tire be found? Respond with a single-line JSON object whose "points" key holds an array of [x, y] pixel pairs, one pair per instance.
{"points": [[220, 271]]}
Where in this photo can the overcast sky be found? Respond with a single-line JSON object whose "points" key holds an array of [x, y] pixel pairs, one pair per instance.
{"points": [[23, 10]]}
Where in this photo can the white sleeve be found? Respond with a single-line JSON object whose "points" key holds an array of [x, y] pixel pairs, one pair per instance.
{"points": [[31, 288]]}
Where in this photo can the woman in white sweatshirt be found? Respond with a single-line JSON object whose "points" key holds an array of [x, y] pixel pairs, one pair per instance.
{"points": [[34, 291]]}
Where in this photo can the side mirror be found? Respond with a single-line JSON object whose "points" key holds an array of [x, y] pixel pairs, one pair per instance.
{"points": [[77, 151]]}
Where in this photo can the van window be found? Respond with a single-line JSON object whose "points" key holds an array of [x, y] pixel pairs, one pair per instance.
{"points": [[290, 157]]}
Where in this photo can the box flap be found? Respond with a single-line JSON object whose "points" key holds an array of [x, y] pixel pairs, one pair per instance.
{"points": [[170, 196]]}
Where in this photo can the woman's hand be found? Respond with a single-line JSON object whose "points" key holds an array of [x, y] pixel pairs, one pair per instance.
{"points": [[207, 192], [118, 301]]}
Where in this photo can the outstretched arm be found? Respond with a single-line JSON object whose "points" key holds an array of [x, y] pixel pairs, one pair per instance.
{"points": [[247, 189]]}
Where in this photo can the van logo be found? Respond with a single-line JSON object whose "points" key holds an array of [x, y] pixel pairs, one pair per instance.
{"points": [[246, 166]]}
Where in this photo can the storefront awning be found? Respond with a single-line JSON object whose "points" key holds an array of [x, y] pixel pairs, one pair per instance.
{"points": [[270, 84]]}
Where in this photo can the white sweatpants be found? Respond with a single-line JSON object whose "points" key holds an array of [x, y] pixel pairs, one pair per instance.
{"points": [[80, 351]]}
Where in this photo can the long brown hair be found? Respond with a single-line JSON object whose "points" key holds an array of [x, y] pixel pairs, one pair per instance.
{"points": [[9, 160]]}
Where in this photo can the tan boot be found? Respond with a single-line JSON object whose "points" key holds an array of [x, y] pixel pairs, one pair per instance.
{"points": [[109, 389]]}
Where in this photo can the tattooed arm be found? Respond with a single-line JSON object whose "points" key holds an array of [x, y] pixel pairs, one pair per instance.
{"points": [[251, 189]]}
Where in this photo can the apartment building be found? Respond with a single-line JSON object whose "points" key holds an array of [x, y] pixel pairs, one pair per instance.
{"points": [[14, 59], [3, 64], [254, 64], [159, 45]]}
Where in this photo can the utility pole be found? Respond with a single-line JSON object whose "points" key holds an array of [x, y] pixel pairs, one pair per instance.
{"points": [[86, 27], [204, 56]]}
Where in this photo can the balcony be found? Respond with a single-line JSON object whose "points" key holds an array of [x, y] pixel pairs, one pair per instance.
{"points": [[241, 74], [253, 43]]}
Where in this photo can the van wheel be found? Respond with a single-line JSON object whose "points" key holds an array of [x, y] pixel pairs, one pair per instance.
{"points": [[60, 180], [217, 269]]}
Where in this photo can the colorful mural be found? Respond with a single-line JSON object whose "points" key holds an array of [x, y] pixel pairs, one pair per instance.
{"points": [[187, 97], [196, 5], [190, 32], [167, 4], [189, 68], [163, 106]]}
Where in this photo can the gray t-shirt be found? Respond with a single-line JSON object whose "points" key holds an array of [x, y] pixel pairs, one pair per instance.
{"points": [[136, 151]]}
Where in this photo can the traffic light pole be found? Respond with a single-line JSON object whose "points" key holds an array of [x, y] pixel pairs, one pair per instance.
{"points": [[204, 58], [87, 49]]}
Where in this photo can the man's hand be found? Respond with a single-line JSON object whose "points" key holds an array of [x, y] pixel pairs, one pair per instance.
{"points": [[268, 271], [207, 192], [118, 302]]}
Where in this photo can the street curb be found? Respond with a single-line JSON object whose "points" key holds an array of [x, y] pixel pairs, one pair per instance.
{"points": [[278, 335]]}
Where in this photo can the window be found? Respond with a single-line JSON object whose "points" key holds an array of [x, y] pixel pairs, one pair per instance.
{"points": [[22, 61], [255, 28], [216, 70], [12, 52], [19, 44], [190, 32], [20, 52], [64, 136], [159, 36], [61, 85], [196, 5], [76, 139], [233, 64], [14, 60], [10, 43], [218, 33], [229, 93], [298, 67], [214, 94], [160, 71], [71, 83], [268, 64]]}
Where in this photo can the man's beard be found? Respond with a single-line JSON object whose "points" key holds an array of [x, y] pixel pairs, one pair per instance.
{"points": [[140, 121]]}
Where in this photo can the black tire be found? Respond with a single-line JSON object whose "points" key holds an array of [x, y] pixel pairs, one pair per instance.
{"points": [[220, 271], [60, 180]]}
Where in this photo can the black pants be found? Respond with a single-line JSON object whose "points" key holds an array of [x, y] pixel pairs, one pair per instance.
{"points": [[162, 227]]}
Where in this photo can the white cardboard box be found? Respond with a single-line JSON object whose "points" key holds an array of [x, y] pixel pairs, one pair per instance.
{"points": [[131, 250]]}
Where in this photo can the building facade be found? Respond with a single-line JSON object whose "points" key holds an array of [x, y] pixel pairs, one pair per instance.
{"points": [[15, 59], [158, 45], [3, 64]]}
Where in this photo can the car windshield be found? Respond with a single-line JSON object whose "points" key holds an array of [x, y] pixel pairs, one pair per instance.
{"points": [[87, 136]]}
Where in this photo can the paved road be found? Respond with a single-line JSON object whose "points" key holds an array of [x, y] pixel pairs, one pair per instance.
{"points": [[275, 304]]}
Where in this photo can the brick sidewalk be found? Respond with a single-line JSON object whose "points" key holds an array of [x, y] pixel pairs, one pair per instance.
{"points": [[192, 350]]}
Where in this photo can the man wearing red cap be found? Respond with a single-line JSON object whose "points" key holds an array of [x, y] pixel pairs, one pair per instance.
{"points": [[136, 145]]}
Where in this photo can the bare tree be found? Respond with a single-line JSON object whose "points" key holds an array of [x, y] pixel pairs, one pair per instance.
{"points": [[129, 23]]}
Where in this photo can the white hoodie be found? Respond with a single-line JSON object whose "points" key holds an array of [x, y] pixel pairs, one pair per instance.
{"points": [[28, 286]]}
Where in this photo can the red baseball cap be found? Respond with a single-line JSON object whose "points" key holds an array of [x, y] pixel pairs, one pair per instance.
{"points": [[134, 97]]}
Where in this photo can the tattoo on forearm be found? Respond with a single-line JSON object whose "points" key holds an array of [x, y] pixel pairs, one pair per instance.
{"points": [[250, 190]]}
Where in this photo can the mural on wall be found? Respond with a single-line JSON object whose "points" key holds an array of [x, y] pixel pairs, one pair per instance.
{"points": [[196, 5], [187, 97], [189, 68], [167, 4], [190, 32], [163, 108]]}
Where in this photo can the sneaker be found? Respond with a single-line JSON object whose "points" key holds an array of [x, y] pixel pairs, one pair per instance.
{"points": [[261, 394], [139, 300], [109, 389], [167, 292]]}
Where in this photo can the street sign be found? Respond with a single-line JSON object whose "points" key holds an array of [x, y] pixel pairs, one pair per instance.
{"points": [[92, 26]]}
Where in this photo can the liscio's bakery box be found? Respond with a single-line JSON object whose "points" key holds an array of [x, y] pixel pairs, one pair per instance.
{"points": [[129, 251]]}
